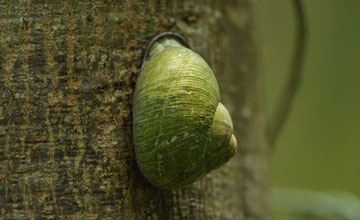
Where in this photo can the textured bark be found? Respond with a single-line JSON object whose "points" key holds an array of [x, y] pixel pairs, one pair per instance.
{"points": [[67, 76]]}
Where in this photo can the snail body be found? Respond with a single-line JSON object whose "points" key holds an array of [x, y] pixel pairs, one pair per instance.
{"points": [[181, 130]]}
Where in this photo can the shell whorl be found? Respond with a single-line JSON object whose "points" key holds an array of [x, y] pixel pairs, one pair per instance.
{"points": [[181, 130], [222, 142]]}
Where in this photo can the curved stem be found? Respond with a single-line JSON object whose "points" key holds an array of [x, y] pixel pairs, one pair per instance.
{"points": [[288, 93]]}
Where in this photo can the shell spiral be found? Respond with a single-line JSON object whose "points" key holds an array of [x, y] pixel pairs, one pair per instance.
{"points": [[181, 130]]}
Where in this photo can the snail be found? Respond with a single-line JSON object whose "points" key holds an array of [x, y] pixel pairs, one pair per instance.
{"points": [[181, 130]]}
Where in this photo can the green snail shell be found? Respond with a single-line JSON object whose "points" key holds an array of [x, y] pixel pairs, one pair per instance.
{"points": [[181, 130]]}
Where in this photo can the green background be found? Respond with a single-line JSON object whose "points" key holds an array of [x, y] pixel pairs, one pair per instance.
{"points": [[319, 148]]}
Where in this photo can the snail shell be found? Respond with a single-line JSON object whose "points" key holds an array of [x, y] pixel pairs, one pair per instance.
{"points": [[181, 130]]}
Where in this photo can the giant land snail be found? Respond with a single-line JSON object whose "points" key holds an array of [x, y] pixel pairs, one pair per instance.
{"points": [[181, 130]]}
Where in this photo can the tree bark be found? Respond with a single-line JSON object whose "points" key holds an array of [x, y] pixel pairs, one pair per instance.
{"points": [[67, 76]]}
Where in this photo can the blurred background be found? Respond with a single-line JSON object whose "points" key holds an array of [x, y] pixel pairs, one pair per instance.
{"points": [[316, 164]]}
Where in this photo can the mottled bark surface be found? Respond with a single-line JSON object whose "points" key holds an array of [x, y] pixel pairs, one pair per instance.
{"points": [[67, 76]]}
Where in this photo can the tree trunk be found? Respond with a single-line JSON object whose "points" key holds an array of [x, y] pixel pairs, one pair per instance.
{"points": [[67, 76]]}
